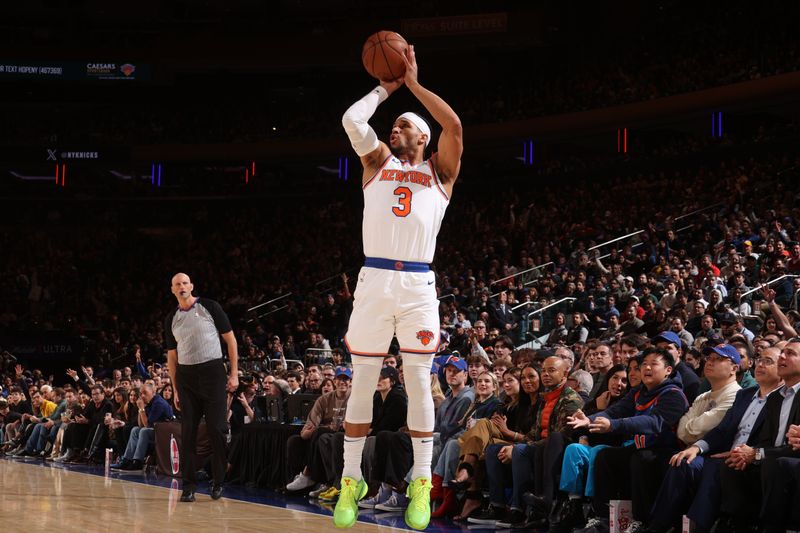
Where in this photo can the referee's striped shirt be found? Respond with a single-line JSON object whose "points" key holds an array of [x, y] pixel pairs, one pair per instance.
{"points": [[195, 332]]}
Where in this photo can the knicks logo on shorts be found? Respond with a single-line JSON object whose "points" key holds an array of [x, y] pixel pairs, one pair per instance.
{"points": [[425, 337]]}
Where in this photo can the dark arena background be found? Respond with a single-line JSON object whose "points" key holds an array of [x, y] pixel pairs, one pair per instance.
{"points": [[628, 198]]}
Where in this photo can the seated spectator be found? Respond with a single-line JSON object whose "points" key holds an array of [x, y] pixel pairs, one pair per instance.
{"points": [[483, 407], [326, 416], [669, 341], [578, 332], [313, 381], [533, 461], [327, 386], [648, 416], [123, 419], [243, 408], [506, 426], [393, 452], [581, 382], [389, 410], [577, 467], [601, 362], [152, 409], [749, 470], [559, 332], [79, 433], [41, 441], [44, 412], [692, 485]]}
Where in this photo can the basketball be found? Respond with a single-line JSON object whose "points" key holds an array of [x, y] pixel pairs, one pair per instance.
{"points": [[382, 55]]}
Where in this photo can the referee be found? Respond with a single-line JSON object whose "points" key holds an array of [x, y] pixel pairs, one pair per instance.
{"points": [[194, 358]]}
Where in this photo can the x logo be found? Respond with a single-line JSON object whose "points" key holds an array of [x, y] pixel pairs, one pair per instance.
{"points": [[51, 155]]}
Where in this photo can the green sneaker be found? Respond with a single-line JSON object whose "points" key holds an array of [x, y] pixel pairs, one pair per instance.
{"points": [[418, 512], [346, 511]]}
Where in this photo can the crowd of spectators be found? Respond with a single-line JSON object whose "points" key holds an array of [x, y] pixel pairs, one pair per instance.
{"points": [[659, 58], [601, 397]]}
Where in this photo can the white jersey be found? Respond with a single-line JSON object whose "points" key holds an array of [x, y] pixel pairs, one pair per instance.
{"points": [[403, 210]]}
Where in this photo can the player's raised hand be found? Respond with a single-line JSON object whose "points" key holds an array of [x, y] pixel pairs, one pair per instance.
{"points": [[392, 86], [412, 71]]}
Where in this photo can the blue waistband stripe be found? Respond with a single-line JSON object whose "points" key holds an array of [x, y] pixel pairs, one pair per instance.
{"points": [[391, 264]]}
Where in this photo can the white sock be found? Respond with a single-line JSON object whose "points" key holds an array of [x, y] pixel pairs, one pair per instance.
{"points": [[423, 454], [353, 450]]}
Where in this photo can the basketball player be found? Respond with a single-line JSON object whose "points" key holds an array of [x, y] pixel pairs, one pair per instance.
{"points": [[405, 198]]}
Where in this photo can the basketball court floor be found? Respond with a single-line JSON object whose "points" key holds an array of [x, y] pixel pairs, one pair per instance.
{"points": [[38, 496]]}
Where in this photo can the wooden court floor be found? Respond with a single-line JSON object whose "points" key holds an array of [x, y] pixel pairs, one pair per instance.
{"points": [[35, 498]]}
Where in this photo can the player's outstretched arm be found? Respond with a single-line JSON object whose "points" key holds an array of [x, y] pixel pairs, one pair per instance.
{"points": [[363, 138], [451, 142]]}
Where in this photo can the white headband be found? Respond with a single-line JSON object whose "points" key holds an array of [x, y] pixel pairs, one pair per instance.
{"points": [[419, 122]]}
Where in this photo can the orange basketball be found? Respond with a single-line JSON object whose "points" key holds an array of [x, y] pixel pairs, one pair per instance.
{"points": [[382, 55]]}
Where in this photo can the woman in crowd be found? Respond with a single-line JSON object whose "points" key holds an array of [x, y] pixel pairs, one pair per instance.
{"points": [[168, 394], [507, 426], [327, 386], [484, 406], [122, 421]]}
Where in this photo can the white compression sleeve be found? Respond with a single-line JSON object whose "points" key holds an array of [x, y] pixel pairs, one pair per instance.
{"points": [[362, 136]]}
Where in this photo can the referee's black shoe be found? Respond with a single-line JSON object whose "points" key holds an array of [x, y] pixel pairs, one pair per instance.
{"points": [[216, 491], [187, 495]]}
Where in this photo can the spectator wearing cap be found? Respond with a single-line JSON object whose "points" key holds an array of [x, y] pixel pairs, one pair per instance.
{"points": [[393, 450], [669, 341], [692, 484], [483, 407], [733, 324], [389, 409], [444, 342], [722, 365], [326, 416], [611, 322]]}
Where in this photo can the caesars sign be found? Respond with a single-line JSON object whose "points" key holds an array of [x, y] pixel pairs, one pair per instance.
{"points": [[38, 70]]}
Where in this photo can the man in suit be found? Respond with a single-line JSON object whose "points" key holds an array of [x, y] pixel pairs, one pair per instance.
{"points": [[503, 317], [693, 481], [749, 468], [780, 477]]}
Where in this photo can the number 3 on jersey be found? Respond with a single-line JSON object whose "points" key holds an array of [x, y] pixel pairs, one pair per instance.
{"points": [[404, 201]]}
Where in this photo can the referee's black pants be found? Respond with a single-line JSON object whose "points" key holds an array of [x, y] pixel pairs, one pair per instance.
{"points": [[201, 392]]}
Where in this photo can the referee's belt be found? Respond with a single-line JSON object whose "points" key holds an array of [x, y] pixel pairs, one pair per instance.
{"points": [[392, 264]]}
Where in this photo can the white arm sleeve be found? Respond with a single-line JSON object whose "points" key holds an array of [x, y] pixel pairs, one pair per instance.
{"points": [[362, 136]]}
